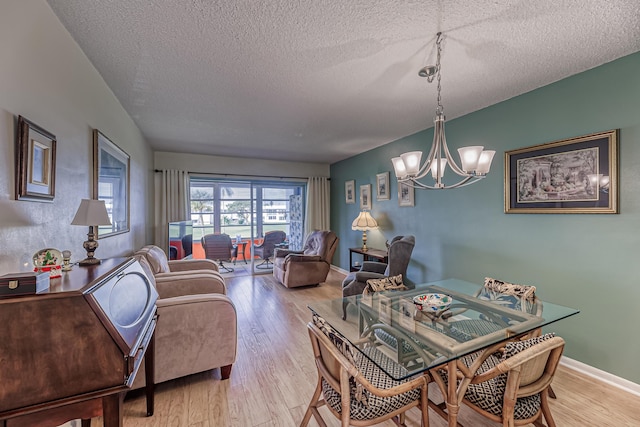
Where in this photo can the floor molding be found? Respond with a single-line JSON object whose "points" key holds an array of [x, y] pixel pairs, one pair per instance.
{"points": [[601, 375]]}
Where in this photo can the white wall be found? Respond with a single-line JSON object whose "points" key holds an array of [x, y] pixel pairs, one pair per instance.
{"points": [[238, 166], [45, 77]]}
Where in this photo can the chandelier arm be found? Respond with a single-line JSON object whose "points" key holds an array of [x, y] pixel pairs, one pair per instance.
{"points": [[468, 180], [452, 163]]}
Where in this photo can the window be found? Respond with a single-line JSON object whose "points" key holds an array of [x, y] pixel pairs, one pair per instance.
{"points": [[240, 208]]}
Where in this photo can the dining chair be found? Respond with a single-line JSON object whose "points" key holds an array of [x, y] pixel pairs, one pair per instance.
{"points": [[511, 386], [354, 389], [219, 248]]}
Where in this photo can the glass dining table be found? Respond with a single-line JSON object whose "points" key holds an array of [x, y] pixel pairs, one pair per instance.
{"points": [[422, 340]]}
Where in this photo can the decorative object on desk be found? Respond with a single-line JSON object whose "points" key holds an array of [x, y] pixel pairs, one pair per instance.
{"points": [[432, 303], [577, 175], [364, 222], [48, 261], [406, 195], [111, 183], [91, 213], [66, 260], [475, 161], [35, 162], [15, 284], [350, 192], [365, 197], [382, 186]]}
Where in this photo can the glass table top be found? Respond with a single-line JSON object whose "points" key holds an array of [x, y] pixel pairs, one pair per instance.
{"points": [[420, 340]]}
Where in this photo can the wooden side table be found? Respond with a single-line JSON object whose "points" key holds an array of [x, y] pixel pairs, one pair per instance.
{"points": [[371, 254]]}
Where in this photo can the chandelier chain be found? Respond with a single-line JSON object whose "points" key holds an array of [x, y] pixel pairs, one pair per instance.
{"points": [[440, 108]]}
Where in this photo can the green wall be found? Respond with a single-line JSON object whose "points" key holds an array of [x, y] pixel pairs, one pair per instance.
{"points": [[586, 261]]}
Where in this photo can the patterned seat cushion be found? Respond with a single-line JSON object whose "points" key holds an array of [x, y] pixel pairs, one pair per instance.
{"points": [[489, 395], [385, 284], [365, 405], [375, 406]]}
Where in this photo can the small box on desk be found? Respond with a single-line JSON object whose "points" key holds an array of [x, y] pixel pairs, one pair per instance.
{"points": [[14, 284]]}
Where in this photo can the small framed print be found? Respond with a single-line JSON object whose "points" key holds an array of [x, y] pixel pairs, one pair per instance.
{"points": [[350, 192], [35, 163], [384, 309], [382, 186], [365, 197], [406, 195]]}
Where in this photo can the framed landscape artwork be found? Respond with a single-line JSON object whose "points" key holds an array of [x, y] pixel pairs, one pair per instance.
{"points": [[382, 186], [35, 163], [577, 175], [350, 192], [365, 197]]}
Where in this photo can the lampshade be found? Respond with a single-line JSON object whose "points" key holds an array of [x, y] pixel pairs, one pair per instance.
{"points": [[364, 222], [91, 212]]}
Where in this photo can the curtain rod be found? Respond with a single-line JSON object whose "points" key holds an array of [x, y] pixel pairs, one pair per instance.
{"points": [[244, 175]]}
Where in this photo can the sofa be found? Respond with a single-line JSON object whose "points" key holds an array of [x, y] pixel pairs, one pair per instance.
{"points": [[197, 322], [311, 265]]}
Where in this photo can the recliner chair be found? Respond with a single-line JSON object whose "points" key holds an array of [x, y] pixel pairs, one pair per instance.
{"points": [[311, 265]]}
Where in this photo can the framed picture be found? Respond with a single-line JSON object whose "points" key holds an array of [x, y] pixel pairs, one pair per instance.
{"points": [[382, 186], [365, 197], [350, 192], [577, 175], [35, 162], [111, 183], [406, 195]]}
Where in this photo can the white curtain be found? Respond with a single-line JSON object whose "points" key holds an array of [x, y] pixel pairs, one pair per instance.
{"points": [[318, 204], [171, 196]]}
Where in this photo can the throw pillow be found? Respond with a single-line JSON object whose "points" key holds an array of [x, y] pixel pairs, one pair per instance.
{"points": [[384, 284]]}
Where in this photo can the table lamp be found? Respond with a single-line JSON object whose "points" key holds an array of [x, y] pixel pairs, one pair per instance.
{"points": [[364, 222], [92, 213]]}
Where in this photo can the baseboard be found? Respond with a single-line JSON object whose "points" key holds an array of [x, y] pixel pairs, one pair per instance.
{"points": [[597, 374], [339, 270]]}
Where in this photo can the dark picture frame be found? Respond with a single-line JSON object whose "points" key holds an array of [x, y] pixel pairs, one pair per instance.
{"points": [[576, 175], [35, 162], [111, 183]]}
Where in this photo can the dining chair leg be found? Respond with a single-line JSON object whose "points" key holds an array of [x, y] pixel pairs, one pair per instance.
{"points": [[312, 405]]}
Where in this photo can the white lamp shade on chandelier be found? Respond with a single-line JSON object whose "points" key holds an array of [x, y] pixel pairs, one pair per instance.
{"points": [[475, 161]]}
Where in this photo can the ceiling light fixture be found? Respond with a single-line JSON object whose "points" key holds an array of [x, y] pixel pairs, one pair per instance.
{"points": [[475, 160]]}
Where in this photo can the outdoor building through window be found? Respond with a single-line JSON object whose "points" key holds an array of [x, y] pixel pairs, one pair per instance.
{"points": [[240, 208]]}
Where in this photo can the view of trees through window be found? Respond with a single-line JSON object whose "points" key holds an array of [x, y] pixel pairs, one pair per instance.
{"points": [[235, 207]]}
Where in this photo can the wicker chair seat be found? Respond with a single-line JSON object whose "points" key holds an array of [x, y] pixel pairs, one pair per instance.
{"points": [[373, 406]]}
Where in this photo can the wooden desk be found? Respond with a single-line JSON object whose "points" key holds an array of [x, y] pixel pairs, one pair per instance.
{"points": [[74, 350], [371, 254]]}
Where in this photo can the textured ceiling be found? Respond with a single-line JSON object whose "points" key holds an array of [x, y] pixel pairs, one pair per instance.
{"points": [[322, 80]]}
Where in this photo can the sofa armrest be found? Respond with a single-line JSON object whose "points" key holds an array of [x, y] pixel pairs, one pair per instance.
{"points": [[189, 284], [303, 258], [281, 253], [374, 267], [192, 264]]}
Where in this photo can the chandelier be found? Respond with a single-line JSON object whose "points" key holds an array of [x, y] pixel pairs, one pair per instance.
{"points": [[475, 161]]}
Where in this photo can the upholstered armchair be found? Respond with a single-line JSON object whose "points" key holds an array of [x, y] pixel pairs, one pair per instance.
{"points": [[400, 250], [311, 265], [161, 266], [197, 324], [266, 249]]}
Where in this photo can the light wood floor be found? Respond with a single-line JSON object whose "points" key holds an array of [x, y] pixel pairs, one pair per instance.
{"points": [[274, 375]]}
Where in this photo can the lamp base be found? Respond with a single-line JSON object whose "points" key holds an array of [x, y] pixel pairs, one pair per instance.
{"points": [[364, 241], [90, 261]]}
